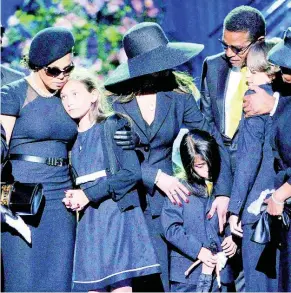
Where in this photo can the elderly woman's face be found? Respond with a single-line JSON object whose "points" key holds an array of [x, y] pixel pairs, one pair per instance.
{"points": [[56, 74]]}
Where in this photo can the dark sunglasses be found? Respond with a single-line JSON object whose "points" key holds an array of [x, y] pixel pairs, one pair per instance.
{"points": [[235, 50], [55, 71], [286, 70]]}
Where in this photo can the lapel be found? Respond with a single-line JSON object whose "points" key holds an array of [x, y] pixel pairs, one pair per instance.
{"points": [[222, 78], [133, 111], [163, 105]]}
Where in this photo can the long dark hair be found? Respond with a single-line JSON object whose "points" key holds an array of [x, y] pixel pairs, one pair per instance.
{"points": [[197, 142], [163, 81]]}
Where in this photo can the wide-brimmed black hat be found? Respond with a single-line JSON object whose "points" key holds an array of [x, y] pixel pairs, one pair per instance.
{"points": [[49, 45], [281, 53], [148, 51]]}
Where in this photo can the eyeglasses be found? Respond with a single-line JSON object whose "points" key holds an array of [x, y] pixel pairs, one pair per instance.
{"points": [[235, 50], [285, 70], [55, 71]]}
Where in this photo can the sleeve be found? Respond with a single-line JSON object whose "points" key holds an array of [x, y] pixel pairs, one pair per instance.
{"points": [[149, 174], [172, 223], [249, 157], [205, 100], [193, 118], [121, 187], [10, 102], [97, 191], [4, 146]]}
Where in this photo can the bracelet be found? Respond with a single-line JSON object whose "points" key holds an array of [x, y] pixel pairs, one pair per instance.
{"points": [[158, 176], [276, 201]]}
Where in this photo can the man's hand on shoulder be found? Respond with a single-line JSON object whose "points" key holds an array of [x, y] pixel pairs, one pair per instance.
{"points": [[258, 103]]}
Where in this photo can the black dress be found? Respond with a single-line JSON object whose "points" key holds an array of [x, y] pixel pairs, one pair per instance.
{"points": [[111, 245], [43, 129]]}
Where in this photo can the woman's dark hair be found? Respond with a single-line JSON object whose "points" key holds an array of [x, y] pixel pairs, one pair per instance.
{"points": [[162, 81], [197, 142], [246, 19]]}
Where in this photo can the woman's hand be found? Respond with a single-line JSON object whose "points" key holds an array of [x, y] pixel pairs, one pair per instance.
{"points": [[207, 257], [229, 246], [75, 199], [235, 226], [275, 207], [220, 206], [173, 188]]}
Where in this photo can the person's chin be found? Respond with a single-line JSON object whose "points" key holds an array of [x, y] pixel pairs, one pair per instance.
{"points": [[286, 79], [73, 114], [58, 85], [235, 63]]}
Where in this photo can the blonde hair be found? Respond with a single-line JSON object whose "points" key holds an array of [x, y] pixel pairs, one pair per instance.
{"points": [[100, 109], [186, 84], [257, 57]]}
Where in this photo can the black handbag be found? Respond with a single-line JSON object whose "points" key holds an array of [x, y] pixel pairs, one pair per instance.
{"points": [[270, 226], [22, 198]]}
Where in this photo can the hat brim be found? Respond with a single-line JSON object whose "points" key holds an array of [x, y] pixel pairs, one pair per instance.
{"points": [[159, 59], [280, 55]]}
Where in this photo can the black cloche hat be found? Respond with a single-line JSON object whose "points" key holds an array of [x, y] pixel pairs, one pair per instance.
{"points": [[49, 45]]}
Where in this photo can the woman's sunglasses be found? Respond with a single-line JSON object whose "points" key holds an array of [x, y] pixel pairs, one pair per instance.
{"points": [[55, 71]]}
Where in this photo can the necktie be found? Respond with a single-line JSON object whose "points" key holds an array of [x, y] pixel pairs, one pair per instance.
{"points": [[236, 104], [209, 187]]}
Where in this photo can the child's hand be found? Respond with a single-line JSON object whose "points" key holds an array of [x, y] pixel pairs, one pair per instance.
{"points": [[229, 247], [207, 257], [75, 199]]}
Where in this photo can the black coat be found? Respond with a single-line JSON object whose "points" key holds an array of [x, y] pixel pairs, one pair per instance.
{"points": [[173, 111]]}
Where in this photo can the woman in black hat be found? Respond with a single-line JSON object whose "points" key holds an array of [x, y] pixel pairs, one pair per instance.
{"points": [[39, 133], [281, 143], [155, 97]]}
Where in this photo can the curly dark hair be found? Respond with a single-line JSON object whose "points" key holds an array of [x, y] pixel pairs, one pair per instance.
{"points": [[246, 19]]}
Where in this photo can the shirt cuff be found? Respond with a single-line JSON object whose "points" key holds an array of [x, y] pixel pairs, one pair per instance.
{"points": [[276, 96]]}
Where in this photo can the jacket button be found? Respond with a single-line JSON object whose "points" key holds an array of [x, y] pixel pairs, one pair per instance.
{"points": [[146, 148], [279, 218]]}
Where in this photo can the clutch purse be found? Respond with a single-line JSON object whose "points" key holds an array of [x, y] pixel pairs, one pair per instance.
{"points": [[22, 198], [269, 226]]}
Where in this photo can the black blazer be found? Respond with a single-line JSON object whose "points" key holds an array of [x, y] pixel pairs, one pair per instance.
{"points": [[122, 169], [255, 166], [187, 230], [173, 111], [214, 82]]}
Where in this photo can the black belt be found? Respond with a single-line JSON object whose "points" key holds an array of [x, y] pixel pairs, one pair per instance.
{"points": [[57, 162]]}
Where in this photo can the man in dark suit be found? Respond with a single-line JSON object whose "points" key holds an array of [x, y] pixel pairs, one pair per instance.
{"points": [[221, 73], [8, 75], [223, 81]]}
